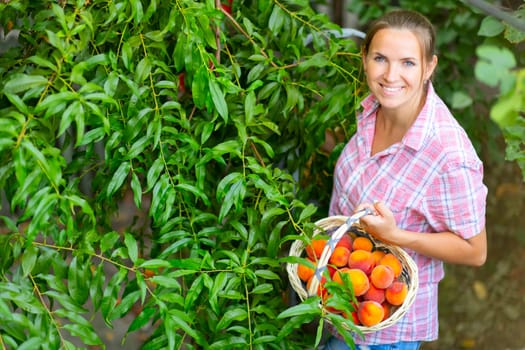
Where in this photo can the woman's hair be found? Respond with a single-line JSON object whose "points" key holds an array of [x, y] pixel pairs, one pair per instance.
{"points": [[409, 20]]}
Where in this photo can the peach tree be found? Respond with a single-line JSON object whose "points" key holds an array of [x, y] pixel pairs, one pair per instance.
{"points": [[156, 160]]}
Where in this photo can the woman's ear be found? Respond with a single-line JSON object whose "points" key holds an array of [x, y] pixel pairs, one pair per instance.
{"points": [[431, 67], [363, 58]]}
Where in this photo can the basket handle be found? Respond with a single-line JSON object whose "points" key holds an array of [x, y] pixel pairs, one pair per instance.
{"points": [[330, 246]]}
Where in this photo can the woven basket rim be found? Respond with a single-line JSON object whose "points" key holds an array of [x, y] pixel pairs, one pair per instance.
{"points": [[409, 273]]}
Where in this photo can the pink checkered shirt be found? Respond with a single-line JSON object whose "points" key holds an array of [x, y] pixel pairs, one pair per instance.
{"points": [[432, 181]]}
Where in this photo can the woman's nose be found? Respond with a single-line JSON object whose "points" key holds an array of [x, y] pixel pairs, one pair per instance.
{"points": [[391, 72]]}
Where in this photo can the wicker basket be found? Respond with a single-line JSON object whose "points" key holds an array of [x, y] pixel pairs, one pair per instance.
{"points": [[409, 274]]}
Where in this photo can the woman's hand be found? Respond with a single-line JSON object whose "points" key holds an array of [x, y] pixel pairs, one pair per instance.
{"points": [[382, 225]]}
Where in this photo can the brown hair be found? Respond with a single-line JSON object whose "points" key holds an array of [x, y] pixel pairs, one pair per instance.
{"points": [[405, 19]]}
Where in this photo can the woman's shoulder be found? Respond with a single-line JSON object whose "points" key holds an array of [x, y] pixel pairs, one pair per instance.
{"points": [[449, 136]]}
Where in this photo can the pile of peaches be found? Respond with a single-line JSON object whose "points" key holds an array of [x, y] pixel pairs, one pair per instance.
{"points": [[374, 275]]}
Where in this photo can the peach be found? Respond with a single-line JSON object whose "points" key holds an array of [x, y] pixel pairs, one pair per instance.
{"points": [[315, 249], [339, 257], [361, 259], [375, 294], [305, 271], [331, 270], [388, 310], [370, 313], [378, 254], [345, 241], [382, 276], [396, 293], [358, 279], [392, 261], [363, 243]]}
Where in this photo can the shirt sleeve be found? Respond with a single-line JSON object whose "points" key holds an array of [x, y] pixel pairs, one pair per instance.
{"points": [[457, 200]]}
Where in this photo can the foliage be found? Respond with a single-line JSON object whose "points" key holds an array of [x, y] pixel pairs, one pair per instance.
{"points": [[500, 66], [208, 121]]}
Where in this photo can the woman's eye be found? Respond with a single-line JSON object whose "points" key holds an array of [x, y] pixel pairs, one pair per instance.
{"points": [[409, 63], [379, 58]]}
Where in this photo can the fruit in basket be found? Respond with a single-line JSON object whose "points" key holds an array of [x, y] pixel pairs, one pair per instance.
{"points": [[387, 308], [363, 243], [339, 257], [315, 248], [382, 276], [394, 263], [396, 293], [378, 255], [304, 271], [375, 294], [345, 241], [358, 279], [361, 259], [370, 313]]}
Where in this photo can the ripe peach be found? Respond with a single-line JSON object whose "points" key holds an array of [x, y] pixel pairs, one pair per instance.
{"points": [[357, 277], [315, 249], [396, 293], [331, 270], [304, 271], [345, 241], [382, 276], [375, 294], [392, 261], [361, 259], [339, 257], [370, 313], [388, 310], [378, 254], [363, 243]]}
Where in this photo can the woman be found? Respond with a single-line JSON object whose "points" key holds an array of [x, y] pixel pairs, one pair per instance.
{"points": [[413, 164]]}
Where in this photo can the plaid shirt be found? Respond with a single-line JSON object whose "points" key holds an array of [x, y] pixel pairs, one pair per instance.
{"points": [[432, 181]]}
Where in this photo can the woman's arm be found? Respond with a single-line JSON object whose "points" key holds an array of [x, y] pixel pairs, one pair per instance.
{"points": [[445, 246]]}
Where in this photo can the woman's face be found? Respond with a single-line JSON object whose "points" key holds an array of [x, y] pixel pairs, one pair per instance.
{"points": [[396, 70]]}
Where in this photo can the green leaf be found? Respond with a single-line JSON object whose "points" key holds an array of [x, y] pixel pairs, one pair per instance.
{"points": [[491, 27], [118, 178], [276, 20], [125, 305], [164, 281], [30, 344], [236, 314], [154, 264], [86, 333], [182, 321], [460, 100], [143, 70], [24, 82], [308, 307], [77, 281], [142, 319], [131, 245], [262, 289], [29, 258], [218, 99]]}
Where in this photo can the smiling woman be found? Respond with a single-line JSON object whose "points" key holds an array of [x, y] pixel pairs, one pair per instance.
{"points": [[410, 152]]}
